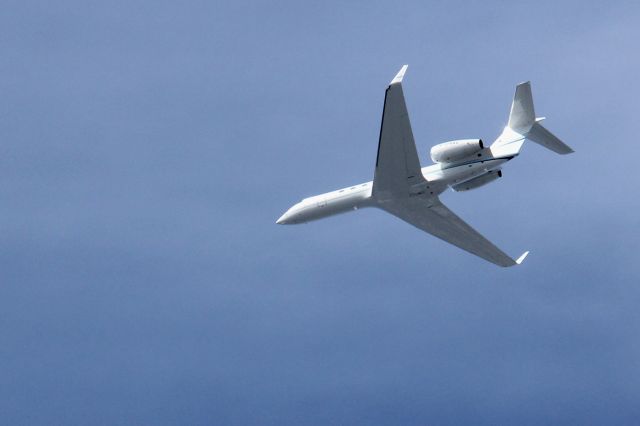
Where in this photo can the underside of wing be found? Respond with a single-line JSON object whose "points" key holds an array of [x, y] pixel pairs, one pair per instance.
{"points": [[397, 163], [398, 184], [430, 215]]}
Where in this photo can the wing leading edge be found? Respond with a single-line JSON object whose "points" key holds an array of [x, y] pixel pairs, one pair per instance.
{"points": [[430, 215], [398, 171], [397, 163]]}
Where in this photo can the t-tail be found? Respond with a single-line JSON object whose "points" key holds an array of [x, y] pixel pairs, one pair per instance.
{"points": [[522, 125]]}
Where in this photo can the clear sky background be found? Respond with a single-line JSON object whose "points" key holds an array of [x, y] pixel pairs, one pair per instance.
{"points": [[147, 148]]}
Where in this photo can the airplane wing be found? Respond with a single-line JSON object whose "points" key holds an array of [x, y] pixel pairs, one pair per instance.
{"points": [[398, 178], [430, 215], [397, 163]]}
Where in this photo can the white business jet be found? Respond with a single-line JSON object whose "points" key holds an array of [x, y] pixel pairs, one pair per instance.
{"points": [[410, 192]]}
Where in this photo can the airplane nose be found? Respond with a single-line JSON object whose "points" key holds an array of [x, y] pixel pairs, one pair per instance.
{"points": [[282, 220], [289, 217]]}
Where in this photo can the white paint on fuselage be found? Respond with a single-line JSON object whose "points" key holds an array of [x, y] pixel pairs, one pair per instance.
{"points": [[439, 176]]}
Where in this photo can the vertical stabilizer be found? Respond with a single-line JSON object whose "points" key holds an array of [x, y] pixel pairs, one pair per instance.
{"points": [[522, 115]]}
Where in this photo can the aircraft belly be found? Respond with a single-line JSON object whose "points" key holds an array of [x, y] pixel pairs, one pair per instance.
{"points": [[331, 205]]}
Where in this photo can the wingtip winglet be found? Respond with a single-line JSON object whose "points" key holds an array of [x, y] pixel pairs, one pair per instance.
{"points": [[398, 78], [522, 257]]}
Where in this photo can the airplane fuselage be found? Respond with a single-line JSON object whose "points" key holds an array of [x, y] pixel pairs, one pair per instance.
{"points": [[438, 176], [410, 192]]}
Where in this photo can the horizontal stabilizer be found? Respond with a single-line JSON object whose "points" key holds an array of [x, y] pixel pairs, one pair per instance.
{"points": [[542, 136]]}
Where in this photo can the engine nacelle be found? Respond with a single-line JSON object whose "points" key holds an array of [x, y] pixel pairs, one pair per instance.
{"points": [[478, 182], [455, 150]]}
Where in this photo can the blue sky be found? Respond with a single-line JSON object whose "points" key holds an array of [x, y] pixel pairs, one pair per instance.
{"points": [[147, 148]]}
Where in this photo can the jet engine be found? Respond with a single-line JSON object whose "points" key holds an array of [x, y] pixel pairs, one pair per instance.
{"points": [[455, 150], [478, 181]]}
